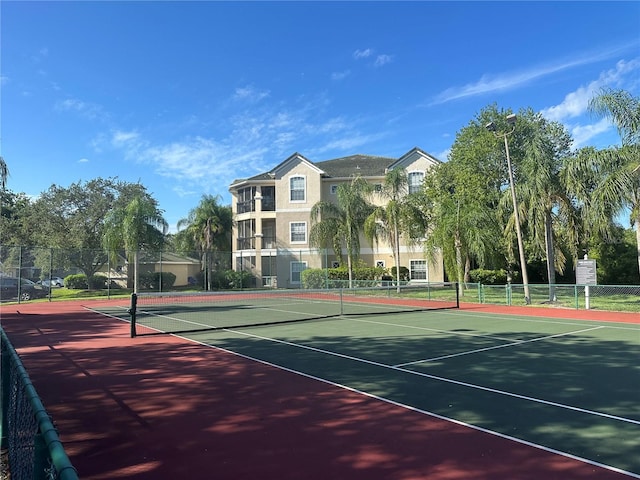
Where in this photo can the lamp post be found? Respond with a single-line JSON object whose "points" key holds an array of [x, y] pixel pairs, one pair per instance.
{"points": [[511, 120]]}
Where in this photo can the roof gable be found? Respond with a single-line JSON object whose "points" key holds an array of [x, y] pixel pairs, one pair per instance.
{"points": [[291, 162], [412, 156]]}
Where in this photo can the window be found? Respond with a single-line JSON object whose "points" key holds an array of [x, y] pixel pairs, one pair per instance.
{"points": [[296, 271], [335, 264], [377, 187], [418, 269], [333, 189], [296, 189], [414, 179], [298, 232], [268, 199], [246, 202], [380, 264]]}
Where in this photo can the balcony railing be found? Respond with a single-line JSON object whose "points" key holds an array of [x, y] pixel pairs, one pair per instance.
{"points": [[268, 204], [268, 242], [246, 243], [248, 206]]}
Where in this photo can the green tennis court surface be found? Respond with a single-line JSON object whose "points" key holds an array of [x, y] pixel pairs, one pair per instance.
{"points": [[568, 386]]}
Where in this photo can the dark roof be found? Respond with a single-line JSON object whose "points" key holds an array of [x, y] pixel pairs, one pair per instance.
{"points": [[344, 167], [365, 165]]}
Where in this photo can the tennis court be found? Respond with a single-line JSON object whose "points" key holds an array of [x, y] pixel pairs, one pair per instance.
{"points": [[565, 385], [561, 387]]}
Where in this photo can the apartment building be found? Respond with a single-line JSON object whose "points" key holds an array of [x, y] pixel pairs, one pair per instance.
{"points": [[272, 215]]}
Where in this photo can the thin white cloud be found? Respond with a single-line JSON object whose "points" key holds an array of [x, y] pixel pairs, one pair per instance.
{"points": [[255, 141], [250, 93], [576, 103], [83, 160], [4, 80], [366, 53], [583, 134], [86, 109], [511, 80], [337, 76], [382, 60]]}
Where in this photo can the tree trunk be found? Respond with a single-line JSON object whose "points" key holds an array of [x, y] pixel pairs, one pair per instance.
{"points": [[637, 222], [135, 271]]}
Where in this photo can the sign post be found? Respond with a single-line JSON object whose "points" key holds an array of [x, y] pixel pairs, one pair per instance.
{"points": [[586, 275]]}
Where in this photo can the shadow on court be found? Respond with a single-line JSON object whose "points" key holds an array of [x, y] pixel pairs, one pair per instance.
{"points": [[165, 408]]}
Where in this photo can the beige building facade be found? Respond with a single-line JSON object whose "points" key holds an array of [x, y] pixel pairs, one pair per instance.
{"points": [[272, 217]]}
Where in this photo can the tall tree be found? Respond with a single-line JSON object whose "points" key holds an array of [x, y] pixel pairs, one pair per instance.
{"points": [[540, 151], [397, 217], [209, 226], [607, 182], [340, 224], [135, 227], [71, 219], [4, 174]]}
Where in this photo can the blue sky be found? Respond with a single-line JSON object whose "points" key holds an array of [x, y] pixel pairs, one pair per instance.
{"points": [[187, 96]]}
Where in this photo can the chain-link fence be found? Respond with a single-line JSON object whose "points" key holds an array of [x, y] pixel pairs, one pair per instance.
{"points": [[35, 451], [621, 298]]}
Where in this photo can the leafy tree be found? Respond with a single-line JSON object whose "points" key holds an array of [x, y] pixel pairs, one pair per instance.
{"points": [[461, 198], [134, 228], [339, 224], [71, 219], [208, 228]]}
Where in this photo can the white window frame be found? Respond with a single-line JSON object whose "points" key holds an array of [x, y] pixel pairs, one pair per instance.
{"points": [[291, 232], [381, 264], [304, 188], [412, 188], [299, 272], [333, 188], [421, 261]]}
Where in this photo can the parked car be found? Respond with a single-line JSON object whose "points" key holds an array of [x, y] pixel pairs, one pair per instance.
{"points": [[54, 282], [28, 289]]}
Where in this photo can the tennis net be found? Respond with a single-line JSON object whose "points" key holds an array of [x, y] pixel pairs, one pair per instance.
{"points": [[182, 312]]}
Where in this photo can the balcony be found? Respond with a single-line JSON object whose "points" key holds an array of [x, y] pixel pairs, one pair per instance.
{"points": [[248, 206], [268, 242], [268, 204], [246, 243]]}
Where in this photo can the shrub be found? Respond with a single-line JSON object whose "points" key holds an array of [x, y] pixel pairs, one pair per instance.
{"points": [[77, 281], [238, 279], [153, 280], [404, 273], [97, 282], [490, 277]]}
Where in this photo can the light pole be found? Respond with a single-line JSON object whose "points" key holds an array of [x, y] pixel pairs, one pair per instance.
{"points": [[511, 120]]}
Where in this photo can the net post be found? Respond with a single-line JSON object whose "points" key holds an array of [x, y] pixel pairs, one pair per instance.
{"points": [[132, 313], [457, 294]]}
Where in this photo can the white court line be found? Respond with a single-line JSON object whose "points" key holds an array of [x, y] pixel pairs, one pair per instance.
{"points": [[411, 408], [415, 409], [441, 379], [523, 318], [495, 347]]}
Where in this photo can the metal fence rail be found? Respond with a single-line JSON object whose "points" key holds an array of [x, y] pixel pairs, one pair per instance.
{"points": [[35, 451]]}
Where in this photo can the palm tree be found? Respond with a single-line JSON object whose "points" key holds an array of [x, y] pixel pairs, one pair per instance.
{"points": [[339, 224], [398, 216], [4, 174], [543, 195], [209, 226], [607, 181], [134, 228]]}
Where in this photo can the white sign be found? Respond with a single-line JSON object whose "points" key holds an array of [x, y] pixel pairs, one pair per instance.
{"points": [[586, 272]]}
